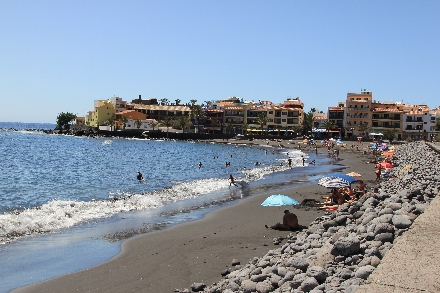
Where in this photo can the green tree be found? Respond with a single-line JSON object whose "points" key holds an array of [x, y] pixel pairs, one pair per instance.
{"points": [[64, 120], [167, 122], [178, 102], [364, 128], [153, 124], [111, 122], [196, 114], [123, 121], [389, 134], [164, 101], [262, 120], [437, 125], [244, 128], [214, 123], [138, 123], [308, 122], [182, 122], [328, 125]]}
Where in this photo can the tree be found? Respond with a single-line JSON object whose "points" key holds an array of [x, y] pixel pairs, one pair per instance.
{"points": [[363, 127], [138, 123], [196, 114], [437, 125], [164, 101], [308, 122], [244, 128], [123, 121], [214, 123], [389, 134], [153, 124], [262, 120], [64, 120], [182, 122], [167, 122], [328, 125], [178, 102], [111, 122]]}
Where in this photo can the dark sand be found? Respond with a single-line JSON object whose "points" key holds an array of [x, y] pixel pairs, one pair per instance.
{"points": [[199, 251]]}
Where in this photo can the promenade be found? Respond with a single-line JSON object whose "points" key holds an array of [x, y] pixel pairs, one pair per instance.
{"points": [[413, 264]]}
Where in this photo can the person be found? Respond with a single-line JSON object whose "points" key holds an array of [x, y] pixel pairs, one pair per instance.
{"points": [[290, 222], [378, 171], [303, 160], [200, 165], [312, 162], [139, 176], [232, 180], [289, 161]]}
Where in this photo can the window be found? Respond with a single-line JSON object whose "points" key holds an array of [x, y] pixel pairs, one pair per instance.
{"points": [[270, 112], [284, 120], [283, 113]]}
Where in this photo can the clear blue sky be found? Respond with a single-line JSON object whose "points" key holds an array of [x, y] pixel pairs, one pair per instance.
{"points": [[60, 56]]}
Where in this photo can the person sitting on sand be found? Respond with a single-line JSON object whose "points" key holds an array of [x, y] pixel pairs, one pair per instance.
{"points": [[290, 222]]}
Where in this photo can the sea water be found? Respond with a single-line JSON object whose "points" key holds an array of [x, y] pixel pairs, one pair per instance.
{"points": [[67, 202]]}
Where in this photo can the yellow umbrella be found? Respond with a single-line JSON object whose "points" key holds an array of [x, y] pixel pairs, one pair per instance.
{"points": [[354, 174]]}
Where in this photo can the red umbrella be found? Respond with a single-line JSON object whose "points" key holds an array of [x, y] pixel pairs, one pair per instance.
{"points": [[386, 165]]}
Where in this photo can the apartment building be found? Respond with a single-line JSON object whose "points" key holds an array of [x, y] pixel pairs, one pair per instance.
{"points": [[357, 112]]}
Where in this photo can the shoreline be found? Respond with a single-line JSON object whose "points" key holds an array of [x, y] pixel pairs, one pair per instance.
{"points": [[197, 251]]}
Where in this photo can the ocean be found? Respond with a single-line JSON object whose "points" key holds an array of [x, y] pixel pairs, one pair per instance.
{"points": [[67, 203]]}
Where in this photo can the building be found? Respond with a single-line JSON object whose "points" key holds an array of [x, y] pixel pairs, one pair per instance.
{"points": [[336, 115], [288, 116], [386, 116], [357, 112], [103, 112]]}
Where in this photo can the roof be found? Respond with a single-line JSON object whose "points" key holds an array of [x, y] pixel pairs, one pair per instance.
{"points": [[160, 107]]}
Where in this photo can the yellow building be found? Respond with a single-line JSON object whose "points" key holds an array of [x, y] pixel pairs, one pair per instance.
{"points": [[104, 110]]}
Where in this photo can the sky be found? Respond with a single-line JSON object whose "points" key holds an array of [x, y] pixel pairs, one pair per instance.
{"points": [[60, 56]]}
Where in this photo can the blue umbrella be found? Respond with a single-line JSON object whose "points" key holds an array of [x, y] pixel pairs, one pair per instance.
{"points": [[278, 200], [346, 177]]}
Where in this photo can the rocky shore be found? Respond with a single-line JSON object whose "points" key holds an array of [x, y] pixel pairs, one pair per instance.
{"points": [[338, 252]]}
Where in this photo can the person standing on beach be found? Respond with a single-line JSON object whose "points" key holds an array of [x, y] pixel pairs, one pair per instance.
{"points": [[231, 180], [290, 222], [378, 171]]}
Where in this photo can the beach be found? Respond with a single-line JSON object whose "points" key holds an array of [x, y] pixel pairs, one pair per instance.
{"points": [[199, 251]]}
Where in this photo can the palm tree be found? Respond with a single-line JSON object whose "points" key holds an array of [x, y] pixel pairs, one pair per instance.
{"points": [[138, 123], [164, 101], [153, 124], [214, 123], [229, 127], [262, 120], [168, 122], [244, 128], [178, 102], [328, 125], [196, 114], [183, 122], [308, 122]]}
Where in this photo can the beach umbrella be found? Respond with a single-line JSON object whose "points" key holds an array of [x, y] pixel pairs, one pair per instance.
{"points": [[346, 177], [386, 165], [333, 182], [277, 200]]}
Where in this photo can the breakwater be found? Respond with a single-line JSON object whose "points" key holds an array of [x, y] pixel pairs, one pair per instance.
{"points": [[338, 253]]}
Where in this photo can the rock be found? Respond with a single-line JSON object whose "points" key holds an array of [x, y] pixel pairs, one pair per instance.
{"points": [[317, 272], [364, 272], [384, 237], [346, 246], [235, 262], [300, 263], [197, 287], [402, 221], [264, 287], [248, 286], [225, 272], [308, 284], [383, 228]]}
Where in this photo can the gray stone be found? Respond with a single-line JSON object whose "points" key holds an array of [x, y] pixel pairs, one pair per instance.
{"points": [[364, 272], [328, 224], [386, 211], [317, 272], [383, 228], [346, 246], [402, 221], [384, 237], [300, 263], [248, 286], [197, 287], [308, 284], [264, 287]]}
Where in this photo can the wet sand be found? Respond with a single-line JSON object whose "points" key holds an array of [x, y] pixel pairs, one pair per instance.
{"points": [[199, 251]]}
